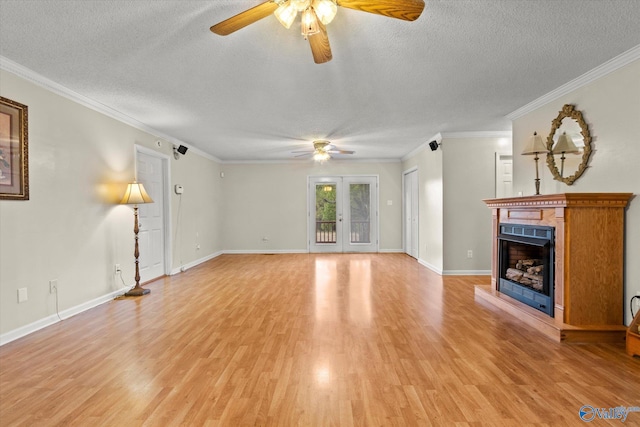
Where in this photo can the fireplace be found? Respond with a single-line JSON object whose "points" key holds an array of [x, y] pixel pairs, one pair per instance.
{"points": [[526, 264], [580, 239]]}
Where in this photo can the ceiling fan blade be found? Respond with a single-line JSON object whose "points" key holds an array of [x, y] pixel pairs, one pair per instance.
{"points": [[245, 18], [305, 151], [320, 46], [303, 155], [407, 10], [340, 152]]}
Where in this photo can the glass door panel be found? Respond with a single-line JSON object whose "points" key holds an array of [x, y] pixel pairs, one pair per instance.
{"points": [[360, 210], [326, 219], [325, 214], [333, 228], [360, 199]]}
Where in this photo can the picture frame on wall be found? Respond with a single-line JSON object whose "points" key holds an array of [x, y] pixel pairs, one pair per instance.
{"points": [[14, 150]]}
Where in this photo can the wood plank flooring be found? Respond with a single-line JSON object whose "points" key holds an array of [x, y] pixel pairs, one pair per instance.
{"points": [[308, 340]]}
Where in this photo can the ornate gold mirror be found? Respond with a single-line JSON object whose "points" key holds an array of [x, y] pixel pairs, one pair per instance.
{"points": [[569, 145]]}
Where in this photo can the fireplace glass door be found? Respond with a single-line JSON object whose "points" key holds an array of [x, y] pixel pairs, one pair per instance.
{"points": [[526, 255]]}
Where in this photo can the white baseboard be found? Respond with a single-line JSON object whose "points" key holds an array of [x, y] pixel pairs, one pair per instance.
{"points": [[466, 273], [65, 314], [429, 266], [266, 251], [192, 264], [391, 251], [454, 272]]}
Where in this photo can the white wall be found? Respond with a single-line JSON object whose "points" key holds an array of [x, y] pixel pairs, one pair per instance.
{"points": [[270, 200], [72, 229], [196, 215], [611, 107], [453, 181], [469, 177]]}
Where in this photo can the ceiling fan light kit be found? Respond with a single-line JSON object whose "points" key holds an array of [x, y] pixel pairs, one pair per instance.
{"points": [[315, 15], [322, 151], [321, 156], [309, 23], [325, 10], [286, 14]]}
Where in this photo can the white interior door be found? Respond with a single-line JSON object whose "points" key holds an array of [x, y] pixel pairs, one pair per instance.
{"points": [[410, 211], [343, 214], [504, 175], [150, 173]]}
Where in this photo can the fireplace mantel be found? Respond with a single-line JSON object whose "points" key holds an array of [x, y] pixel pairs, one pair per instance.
{"points": [[563, 200], [589, 262]]}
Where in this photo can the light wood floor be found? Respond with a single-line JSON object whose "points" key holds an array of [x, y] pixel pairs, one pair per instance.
{"points": [[310, 340]]}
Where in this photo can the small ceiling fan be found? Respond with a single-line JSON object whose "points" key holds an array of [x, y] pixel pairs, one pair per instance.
{"points": [[322, 151], [315, 15]]}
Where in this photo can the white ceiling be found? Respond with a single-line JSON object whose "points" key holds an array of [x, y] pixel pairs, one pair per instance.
{"points": [[257, 94]]}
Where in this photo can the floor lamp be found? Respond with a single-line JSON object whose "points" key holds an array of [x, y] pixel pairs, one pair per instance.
{"points": [[535, 145], [136, 195]]}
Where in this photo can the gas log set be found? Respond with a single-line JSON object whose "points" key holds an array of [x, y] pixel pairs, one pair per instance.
{"points": [[528, 272]]}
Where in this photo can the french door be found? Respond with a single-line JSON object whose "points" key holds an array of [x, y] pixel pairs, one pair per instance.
{"points": [[343, 214]]}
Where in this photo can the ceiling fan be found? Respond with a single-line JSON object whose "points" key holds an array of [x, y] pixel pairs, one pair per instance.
{"points": [[322, 151], [315, 15]]}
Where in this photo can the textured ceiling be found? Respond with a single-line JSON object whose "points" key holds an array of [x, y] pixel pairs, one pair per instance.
{"points": [[257, 94]]}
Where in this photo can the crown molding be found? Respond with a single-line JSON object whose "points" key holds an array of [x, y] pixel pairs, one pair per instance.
{"points": [[13, 67], [478, 134], [437, 137], [610, 66], [302, 161]]}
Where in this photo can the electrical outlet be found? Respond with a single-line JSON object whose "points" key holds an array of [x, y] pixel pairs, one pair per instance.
{"points": [[53, 286], [197, 247], [117, 269], [469, 253], [265, 239], [22, 295]]}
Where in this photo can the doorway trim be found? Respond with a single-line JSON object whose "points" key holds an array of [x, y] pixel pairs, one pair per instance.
{"points": [[501, 157], [166, 208], [404, 214]]}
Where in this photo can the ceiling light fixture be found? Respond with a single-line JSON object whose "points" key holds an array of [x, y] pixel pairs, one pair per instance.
{"points": [[309, 23], [321, 156], [286, 14], [301, 5], [326, 10], [311, 12]]}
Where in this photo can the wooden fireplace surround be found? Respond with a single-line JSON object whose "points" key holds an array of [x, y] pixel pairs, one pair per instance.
{"points": [[589, 263]]}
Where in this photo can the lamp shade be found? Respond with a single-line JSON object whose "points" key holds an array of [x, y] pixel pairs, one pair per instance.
{"points": [[535, 145], [135, 195], [301, 5], [565, 145], [309, 23], [325, 10], [286, 14]]}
